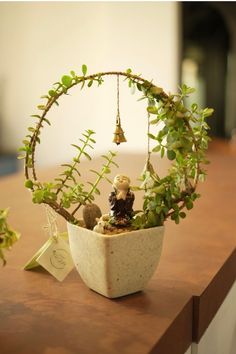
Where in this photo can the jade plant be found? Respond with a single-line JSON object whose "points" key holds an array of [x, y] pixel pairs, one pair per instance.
{"points": [[178, 131], [7, 235]]}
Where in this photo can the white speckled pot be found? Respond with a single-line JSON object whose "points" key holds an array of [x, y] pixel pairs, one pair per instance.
{"points": [[116, 265]]}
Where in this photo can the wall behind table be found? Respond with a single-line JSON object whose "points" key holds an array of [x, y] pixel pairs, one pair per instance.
{"points": [[42, 41]]}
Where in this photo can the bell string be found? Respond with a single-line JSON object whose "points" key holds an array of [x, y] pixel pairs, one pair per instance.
{"points": [[51, 227], [119, 136]]}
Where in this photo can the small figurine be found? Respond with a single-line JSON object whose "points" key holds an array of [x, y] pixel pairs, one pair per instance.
{"points": [[121, 202], [99, 227], [103, 224]]}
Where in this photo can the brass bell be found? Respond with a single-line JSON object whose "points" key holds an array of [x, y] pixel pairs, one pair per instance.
{"points": [[119, 136]]}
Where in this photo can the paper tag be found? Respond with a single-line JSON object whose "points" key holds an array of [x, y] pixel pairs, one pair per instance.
{"points": [[55, 257]]}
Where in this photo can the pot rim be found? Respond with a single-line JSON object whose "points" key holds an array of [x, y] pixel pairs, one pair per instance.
{"points": [[69, 225]]}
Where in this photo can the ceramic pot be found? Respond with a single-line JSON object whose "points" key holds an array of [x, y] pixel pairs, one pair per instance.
{"points": [[116, 265]]}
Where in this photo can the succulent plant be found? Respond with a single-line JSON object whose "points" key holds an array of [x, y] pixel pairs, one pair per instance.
{"points": [[182, 138]]}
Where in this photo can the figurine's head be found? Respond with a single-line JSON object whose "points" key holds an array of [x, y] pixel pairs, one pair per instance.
{"points": [[121, 183]]}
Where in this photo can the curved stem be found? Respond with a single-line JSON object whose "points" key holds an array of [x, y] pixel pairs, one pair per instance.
{"points": [[62, 89], [74, 164], [193, 188], [52, 100], [196, 149], [33, 141]]}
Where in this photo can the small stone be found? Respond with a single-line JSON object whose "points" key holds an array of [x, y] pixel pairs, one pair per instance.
{"points": [[90, 213]]}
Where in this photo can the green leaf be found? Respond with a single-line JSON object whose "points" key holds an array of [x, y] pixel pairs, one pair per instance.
{"points": [[21, 157], [67, 165], [156, 90], [139, 86], [77, 147], [87, 144], [152, 109], [47, 121], [87, 155], [194, 107], [105, 157], [128, 71], [114, 163], [66, 80], [41, 107], [29, 184], [175, 207], [66, 203], [154, 121], [177, 220], [23, 148], [152, 136], [156, 148], [189, 204], [97, 191], [187, 90], [31, 129], [52, 93], [90, 83], [83, 83], [106, 170], [84, 69], [162, 152], [90, 131], [38, 196], [159, 189], [142, 98], [35, 116], [152, 218], [108, 180], [175, 217], [207, 112], [113, 154], [97, 173], [171, 154]]}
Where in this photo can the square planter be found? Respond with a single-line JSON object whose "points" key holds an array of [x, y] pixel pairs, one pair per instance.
{"points": [[116, 265]]}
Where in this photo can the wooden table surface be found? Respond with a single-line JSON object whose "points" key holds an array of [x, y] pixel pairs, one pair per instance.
{"points": [[39, 315]]}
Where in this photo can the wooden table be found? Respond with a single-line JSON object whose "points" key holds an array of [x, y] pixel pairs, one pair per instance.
{"points": [[39, 315]]}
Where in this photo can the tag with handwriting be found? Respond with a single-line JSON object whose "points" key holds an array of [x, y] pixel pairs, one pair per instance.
{"points": [[55, 257]]}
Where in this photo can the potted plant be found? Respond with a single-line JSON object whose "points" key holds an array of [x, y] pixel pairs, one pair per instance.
{"points": [[8, 236], [119, 257]]}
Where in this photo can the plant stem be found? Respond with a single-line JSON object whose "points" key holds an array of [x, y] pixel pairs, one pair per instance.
{"points": [[52, 100], [63, 212], [94, 185], [73, 166]]}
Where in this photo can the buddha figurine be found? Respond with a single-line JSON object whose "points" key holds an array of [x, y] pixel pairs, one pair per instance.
{"points": [[121, 202]]}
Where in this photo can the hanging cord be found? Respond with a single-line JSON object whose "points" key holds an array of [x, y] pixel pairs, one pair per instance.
{"points": [[118, 101], [51, 226], [119, 136], [147, 167]]}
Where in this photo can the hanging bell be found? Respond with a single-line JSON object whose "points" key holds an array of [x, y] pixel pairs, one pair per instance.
{"points": [[119, 136]]}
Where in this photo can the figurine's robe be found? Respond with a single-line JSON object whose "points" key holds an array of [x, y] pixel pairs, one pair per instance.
{"points": [[121, 208]]}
